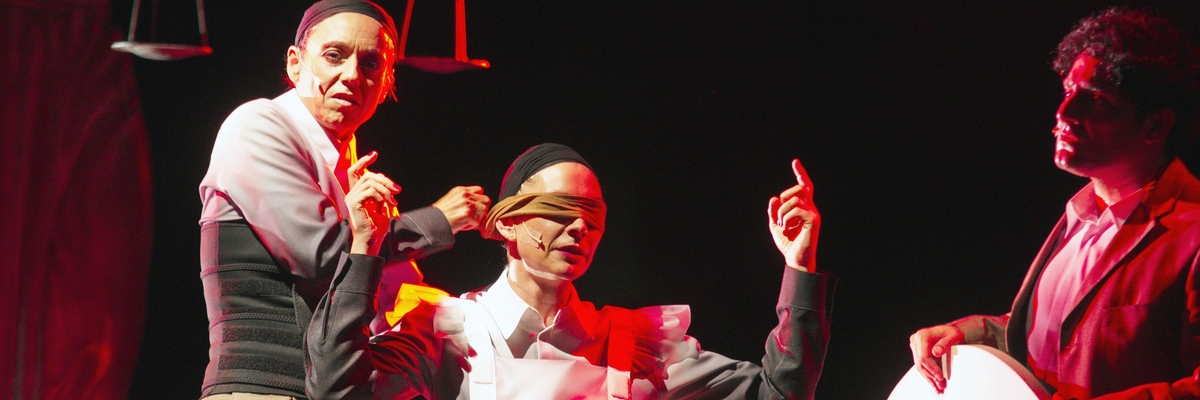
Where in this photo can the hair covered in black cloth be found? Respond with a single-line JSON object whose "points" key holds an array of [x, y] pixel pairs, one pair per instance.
{"points": [[323, 9], [533, 160]]}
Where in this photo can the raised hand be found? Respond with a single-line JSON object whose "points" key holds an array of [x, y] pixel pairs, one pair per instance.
{"points": [[370, 200], [464, 207], [795, 223], [928, 346]]}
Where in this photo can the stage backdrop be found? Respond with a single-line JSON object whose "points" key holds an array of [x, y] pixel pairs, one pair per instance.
{"points": [[76, 212]]}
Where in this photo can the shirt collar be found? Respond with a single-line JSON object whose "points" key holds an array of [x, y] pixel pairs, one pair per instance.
{"points": [[1083, 208], [507, 308], [326, 143]]}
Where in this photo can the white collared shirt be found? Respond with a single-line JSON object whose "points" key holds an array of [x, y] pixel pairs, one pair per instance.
{"points": [[1089, 232], [523, 327]]}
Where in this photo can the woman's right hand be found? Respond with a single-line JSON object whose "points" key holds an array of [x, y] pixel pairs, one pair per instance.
{"points": [[370, 200]]}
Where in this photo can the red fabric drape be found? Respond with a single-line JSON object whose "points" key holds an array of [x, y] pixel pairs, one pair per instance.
{"points": [[75, 211]]}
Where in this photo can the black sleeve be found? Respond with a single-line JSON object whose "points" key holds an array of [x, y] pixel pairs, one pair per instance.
{"points": [[795, 350], [339, 360], [416, 234]]}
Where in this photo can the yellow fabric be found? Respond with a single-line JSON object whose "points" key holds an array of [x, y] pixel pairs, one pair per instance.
{"points": [[410, 296], [548, 205]]}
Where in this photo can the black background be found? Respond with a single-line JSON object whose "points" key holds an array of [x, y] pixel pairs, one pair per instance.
{"points": [[925, 127]]}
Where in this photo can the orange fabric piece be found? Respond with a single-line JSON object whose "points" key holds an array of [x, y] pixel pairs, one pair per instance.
{"points": [[409, 297]]}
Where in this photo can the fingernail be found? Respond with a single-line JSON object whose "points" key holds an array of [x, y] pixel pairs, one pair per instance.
{"points": [[372, 154]]}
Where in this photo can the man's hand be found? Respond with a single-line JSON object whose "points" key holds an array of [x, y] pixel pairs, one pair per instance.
{"points": [[794, 222], [928, 346], [370, 199], [464, 207]]}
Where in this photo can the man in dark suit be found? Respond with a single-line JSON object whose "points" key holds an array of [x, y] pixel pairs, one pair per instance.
{"points": [[1111, 305]]}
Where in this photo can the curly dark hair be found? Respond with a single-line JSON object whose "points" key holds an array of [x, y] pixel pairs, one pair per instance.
{"points": [[1148, 59]]}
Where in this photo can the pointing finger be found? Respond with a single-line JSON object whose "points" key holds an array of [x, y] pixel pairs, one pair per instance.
{"points": [[363, 163], [801, 174], [359, 167]]}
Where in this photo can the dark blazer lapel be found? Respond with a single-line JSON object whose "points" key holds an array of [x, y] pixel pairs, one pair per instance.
{"points": [[1019, 316]]}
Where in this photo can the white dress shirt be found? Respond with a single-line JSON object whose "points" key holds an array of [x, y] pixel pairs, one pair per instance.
{"points": [[1089, 233]]}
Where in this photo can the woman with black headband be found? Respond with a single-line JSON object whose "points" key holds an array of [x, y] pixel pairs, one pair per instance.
{"points": [[273, 224], [529, 336]]}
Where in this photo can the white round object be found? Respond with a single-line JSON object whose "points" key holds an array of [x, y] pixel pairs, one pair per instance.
{"points": [[975, 373]]}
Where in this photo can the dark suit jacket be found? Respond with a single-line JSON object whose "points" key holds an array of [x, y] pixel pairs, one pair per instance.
{"points": [[1135, 334]]}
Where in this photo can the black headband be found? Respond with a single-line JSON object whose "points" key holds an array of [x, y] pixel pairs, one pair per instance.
{"points": [[533, 160], [323, 9]]}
